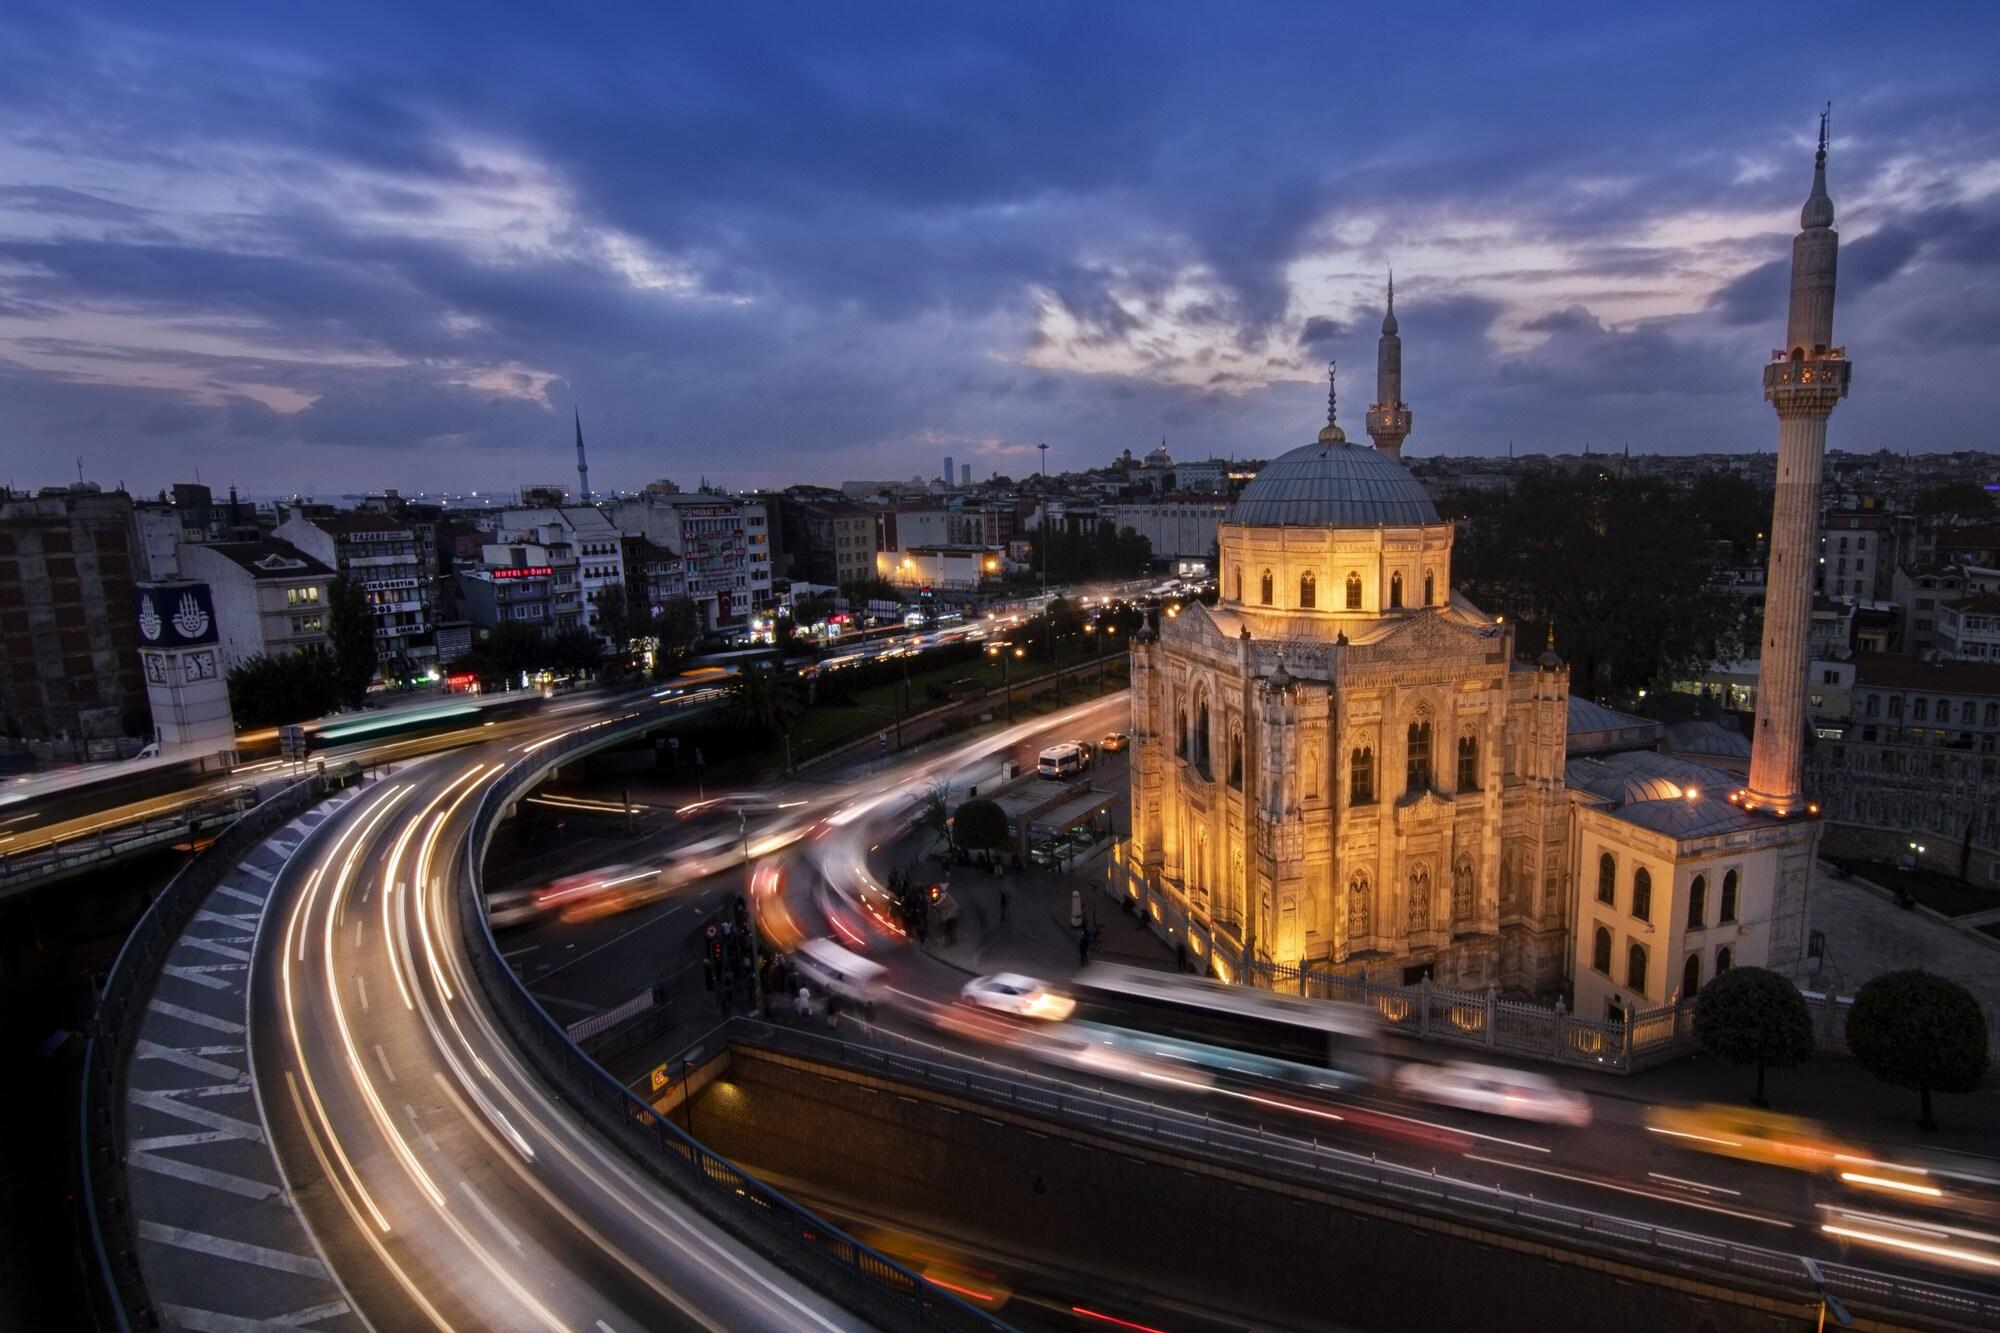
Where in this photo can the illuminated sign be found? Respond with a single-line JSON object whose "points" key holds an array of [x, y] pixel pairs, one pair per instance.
{"points": [[462, 680], [174, 615], [524, 572]]}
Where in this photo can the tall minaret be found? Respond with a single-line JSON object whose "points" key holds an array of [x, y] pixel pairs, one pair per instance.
{"points": [[1805, 379], [1389, 415], [582, 468]]}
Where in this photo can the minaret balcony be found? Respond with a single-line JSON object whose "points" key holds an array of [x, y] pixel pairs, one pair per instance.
{"points": [[1808, 384], [1394, 420]]}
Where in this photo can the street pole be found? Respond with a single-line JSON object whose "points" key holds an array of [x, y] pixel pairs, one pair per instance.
{"points": [[750, 917]]}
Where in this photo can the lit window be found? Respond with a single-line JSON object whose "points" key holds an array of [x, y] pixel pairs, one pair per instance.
{"points": [[1642, 894], [1353, 592]]}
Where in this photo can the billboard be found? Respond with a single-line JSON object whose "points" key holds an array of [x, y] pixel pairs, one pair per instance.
{"points": [[175, 615]]}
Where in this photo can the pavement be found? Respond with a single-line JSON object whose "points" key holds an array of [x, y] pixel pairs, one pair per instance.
{"points": [[1032, 933], [1867, 935]]}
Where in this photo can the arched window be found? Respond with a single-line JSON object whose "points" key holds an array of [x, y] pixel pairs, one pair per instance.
{"points": [[1239, 584], [1201, 738], [1236, 760], [1691, 976], [1430, 589], [1607, 878], [1353, 591], [1600, 951], [1180, 734], [1921, 710], [1361, 777], [1418, 774], [1635, 967], [1266, 595], [1395, 590], [1357, 908], [1698, 903], [1420, 898], [1462, 891], [1722, 960], [1642, 894], [1468, 763], [1308, 590], [1728, 909]]}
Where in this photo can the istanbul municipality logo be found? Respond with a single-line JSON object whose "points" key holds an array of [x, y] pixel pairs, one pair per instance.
{"points": [[190, 621]]}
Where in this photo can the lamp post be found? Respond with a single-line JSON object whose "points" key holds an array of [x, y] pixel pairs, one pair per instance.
{"points": [[1006, 651]]}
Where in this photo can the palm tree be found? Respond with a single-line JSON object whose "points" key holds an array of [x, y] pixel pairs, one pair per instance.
{"points": [[765, 702]]}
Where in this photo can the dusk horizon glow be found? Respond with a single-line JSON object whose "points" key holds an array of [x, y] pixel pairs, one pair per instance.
{"points": [[298, 251]]}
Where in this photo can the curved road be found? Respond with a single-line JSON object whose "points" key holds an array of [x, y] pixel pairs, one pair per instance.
{"points": [[447, 1186]]}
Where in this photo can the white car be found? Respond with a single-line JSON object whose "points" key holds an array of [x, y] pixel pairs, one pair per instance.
{"points": [[1023, 997], [1495, 1091], [512, 908]]}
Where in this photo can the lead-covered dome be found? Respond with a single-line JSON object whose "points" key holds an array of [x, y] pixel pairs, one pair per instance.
{"points": [[1334, 485]]}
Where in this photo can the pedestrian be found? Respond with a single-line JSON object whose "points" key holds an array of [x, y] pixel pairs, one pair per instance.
{"points": [[803, 1005], [1003, 899], [1082, 946], [1180, 956], [1076, 909]]}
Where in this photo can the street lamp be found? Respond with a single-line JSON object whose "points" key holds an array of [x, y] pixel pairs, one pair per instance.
{"points": [[999, 649]]}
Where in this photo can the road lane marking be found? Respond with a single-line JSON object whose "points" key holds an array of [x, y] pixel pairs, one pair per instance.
{"points": [[198, 1115], [197, 976], [241, 895], [201, 1175], [361, 989], [383, 1057], [196, 1017], [224, 1248], [1628, 1189], [191, 1057], [229, 951], [1695, 1185], [259, 871], [492, 1218]]}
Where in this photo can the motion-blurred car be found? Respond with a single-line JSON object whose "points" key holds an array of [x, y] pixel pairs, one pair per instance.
{"points": [[513, 908], [1495, 1091], [1751, 1135], [1115, 742], [1023, 997], [598, 893]]}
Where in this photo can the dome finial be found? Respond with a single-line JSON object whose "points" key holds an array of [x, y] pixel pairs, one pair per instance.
{"points": [[1332, 433]]}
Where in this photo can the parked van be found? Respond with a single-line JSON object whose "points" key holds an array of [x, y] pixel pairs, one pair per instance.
{"points": [[838, 971], [1062, 761]]}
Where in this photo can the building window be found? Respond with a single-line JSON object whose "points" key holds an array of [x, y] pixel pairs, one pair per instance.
{"points": [[1698, 903], [1353, 591], [1920, 711], [1607, 879], [1308, 590], [1417, 775], [1691, 976], [1430, 589], [1265, 594], [1727, 912], [1722, 960], [1361, 777], [1396, 590], [1238, 571], [1895, 705], [1180, 735], [1874, 705], [1420, 898], [1635, 967], [1357, 909], [1968, 712], [1201, 739], [1943, 710], [1642, 894], [1468, 763], [1462, 891], [1600, 951], [1236, 760]]}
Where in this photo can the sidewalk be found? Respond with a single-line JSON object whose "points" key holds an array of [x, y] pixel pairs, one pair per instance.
{"points": [[1867, 935], [1036, 938]]}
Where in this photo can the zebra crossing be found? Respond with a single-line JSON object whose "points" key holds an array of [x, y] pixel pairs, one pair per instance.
{"points": [[218, 1240]]}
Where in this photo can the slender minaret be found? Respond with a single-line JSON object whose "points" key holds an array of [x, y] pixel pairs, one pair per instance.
{"points": [[1389, 415], [582, 468], [1806, 377]]}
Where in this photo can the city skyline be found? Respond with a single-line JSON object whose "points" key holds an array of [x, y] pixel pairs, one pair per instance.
{"points": [[325, 254]]}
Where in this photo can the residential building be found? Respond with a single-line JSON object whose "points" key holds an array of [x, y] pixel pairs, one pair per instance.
{"points": [[1852, 563], [380, 552], [516, 585], [1906, 700], [724, 543], [653, 574], [825, 540], [1180, 527], [269, 596], [945, 568], [1969, 628], [582, 546], [69, 644]]}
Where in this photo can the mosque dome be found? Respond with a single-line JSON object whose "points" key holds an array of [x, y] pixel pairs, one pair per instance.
{"points": [[1334, 484]]}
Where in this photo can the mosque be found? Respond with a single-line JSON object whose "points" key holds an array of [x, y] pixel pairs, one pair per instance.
{"points": [[1345, 763]]}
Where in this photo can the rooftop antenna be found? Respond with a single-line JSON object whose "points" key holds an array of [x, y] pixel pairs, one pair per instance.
{"points": [[79, 469]]}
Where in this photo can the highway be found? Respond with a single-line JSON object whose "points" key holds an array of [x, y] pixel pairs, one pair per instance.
{"points": [[1872, 1212], [447, 1185]]}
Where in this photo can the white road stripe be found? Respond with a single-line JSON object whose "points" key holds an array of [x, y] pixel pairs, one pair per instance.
{"points": [[383, 1057], [228, 951], [492, 1218], [361, 989], [267, 876], [198, 977], [242, 895], [201, 1175], [225, 1248], [191, 1057], [234, 920], [199, 1115], [195, 1017], [162, 1141]]}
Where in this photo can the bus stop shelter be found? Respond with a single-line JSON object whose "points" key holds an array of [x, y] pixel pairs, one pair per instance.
{"points": [[1040, 810]]}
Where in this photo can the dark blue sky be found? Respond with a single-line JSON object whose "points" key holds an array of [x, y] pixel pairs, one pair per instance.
{"points": [[332, 247]]}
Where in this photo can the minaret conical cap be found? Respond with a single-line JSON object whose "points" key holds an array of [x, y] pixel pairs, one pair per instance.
{"points": [[1818, 211], [1389, 319]]}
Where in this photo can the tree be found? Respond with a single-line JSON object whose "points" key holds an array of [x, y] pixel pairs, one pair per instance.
{"points": [[1956, 497], [935, 813], [765, 702], [516, 648], [1734, 509], [1914, 1029], [1753, 1016], [674, 630], [811, 609], [1065, 617], [575, 650], [351, 630], [980, 825], [268, 691], [860, 592]]}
